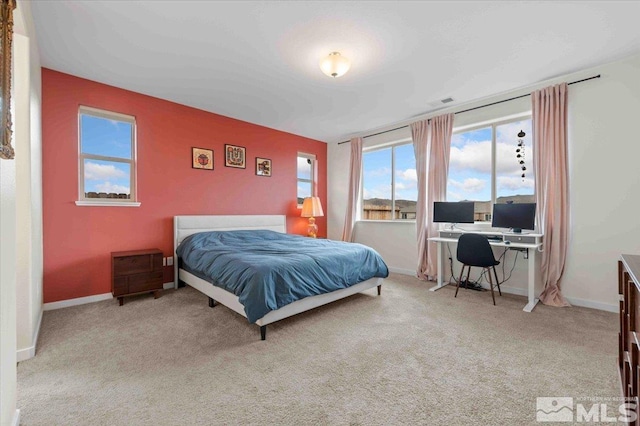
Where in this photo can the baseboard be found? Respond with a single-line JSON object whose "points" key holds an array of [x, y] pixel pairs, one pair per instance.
{"points": [[593, 304], [167, 286], [77, 301], [16, 418], [409, 272], [572, 300], [30, 352], [26, 353]]}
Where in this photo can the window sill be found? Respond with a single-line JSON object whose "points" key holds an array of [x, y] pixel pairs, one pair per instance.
{"points": [[85, 203]]}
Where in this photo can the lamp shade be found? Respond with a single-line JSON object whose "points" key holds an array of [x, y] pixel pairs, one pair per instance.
{"points": [[311, 207], [335, 65]]}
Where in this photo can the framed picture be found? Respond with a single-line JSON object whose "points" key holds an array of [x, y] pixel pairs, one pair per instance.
{"points": [[234, 156], [263, 166], [202, 158]]}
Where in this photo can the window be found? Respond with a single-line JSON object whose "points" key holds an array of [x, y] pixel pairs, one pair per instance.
{"points": [[107, 158], [390, 183], [488, 165], [306, 176]]}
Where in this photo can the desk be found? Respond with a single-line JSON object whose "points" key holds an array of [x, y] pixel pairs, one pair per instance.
{"points": [[532, 251]]}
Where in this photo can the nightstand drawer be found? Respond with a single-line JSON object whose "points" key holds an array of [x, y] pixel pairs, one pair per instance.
{"points": [[145, 282], [133, 264], [120, 286]]}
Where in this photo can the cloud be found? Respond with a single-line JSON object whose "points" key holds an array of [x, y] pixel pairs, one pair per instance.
{"points": [[508, 133], [469, 185], [409, 174], [473, 156], [95, 171], [406, 184], [508, 163], [515, 183], [109, 187], [379, 172]]}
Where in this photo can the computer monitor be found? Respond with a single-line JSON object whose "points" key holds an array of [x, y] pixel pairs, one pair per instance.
{"points": [[515, 216], [451, 212]]}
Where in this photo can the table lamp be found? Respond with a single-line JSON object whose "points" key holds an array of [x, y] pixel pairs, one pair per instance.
{"points": [[312, 207]]}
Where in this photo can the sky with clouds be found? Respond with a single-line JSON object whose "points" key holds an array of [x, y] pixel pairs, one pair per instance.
{"points": [[469, 166], [109, 138]]}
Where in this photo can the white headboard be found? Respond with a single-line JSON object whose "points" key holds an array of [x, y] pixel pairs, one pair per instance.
{"points": [[183, 226]]}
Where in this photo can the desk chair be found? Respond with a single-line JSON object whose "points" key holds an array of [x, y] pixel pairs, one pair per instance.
{"points": [[475, 250]]}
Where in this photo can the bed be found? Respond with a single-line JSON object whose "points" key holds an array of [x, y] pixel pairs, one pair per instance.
{"points": [[201, 232]]}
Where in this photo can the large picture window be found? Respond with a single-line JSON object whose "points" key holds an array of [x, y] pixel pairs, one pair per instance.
{"points": [[492, 164], [389, 183], [107, 156]]}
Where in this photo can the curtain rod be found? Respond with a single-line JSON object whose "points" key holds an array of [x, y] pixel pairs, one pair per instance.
{"points": [[474, 108]]}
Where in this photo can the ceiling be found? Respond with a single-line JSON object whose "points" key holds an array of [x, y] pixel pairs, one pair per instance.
{"points": [[258, 61]]}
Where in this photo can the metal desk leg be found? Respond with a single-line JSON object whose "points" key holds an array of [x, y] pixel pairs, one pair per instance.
{"points": [[531, 285], [440, 268]]}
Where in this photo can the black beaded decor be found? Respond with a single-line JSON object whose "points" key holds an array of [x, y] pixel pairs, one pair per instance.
{"points": [[520, 153]]}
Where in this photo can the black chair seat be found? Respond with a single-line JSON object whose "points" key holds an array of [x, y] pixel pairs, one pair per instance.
{"points": [[475, 250]]}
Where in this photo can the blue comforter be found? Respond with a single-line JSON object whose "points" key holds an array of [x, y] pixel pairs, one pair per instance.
{"points": [[268, 270]]}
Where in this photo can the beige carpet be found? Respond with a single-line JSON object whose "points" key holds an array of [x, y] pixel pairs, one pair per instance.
{"points": [[409, 356]]}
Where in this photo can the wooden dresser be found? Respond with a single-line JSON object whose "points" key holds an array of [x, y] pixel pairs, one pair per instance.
{"points": [[629, 336], [135, 272]]}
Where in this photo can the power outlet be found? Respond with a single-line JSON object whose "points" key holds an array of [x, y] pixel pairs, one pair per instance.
{"points": [[164, 261], [170, 261]]}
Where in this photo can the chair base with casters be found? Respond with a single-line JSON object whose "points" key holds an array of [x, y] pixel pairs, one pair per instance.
{"points": [[475, 250]]}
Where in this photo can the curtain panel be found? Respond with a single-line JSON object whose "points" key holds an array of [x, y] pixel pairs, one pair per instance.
{"points": [[353, 196], [550, 163], [432, 145]]}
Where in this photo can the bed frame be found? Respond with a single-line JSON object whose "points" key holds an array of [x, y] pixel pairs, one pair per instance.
{"points": [[183, 226]]}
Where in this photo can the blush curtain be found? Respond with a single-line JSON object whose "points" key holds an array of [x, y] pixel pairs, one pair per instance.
{"points": [[550, 163], [431, 145], [353, 195]]}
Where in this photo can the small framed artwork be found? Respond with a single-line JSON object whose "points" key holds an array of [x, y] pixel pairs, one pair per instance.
{"points": [[263, 166], [202, 158], [235, 156]]}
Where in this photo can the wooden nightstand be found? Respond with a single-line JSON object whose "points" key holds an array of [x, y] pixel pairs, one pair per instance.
{"points": [[135, 272]]}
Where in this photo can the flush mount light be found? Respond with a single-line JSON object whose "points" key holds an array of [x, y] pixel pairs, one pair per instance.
{"points": [[334, 65]]}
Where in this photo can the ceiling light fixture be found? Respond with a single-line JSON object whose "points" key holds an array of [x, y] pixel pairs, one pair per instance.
{"points": [[335, 65]]}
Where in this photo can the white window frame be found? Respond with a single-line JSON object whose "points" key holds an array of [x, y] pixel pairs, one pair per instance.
{"points": [[493, 124], [109, 115], [393, 145], [314, 174]]}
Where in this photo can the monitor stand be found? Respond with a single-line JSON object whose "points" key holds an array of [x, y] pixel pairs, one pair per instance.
{"points": [[516, 230]]}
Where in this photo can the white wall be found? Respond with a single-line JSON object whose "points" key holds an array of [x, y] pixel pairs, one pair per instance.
{"points": [[7, 291], [21, 217], [603, 156], [28, 145]]}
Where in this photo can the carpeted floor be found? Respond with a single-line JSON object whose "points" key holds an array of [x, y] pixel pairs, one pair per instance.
{"points": [[409, 356]]}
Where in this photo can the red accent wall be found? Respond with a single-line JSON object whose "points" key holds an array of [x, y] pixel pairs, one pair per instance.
{"points": [[78, 240]]}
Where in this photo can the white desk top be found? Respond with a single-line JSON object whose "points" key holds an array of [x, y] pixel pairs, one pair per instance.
{"points": [[473, 231], [493, 243]]}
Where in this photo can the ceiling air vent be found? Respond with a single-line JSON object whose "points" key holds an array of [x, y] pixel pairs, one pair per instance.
{"points": [[446, 100]]}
